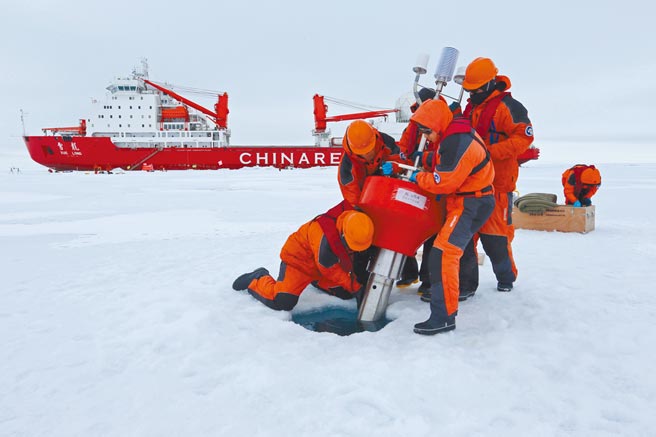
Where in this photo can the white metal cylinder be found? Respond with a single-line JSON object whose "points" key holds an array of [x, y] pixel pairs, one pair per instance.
{"points": [[447, 64], [460, 75], [421, 66]]}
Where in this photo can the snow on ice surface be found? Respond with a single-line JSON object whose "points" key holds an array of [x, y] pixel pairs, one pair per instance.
{"points": [[117, 315]]}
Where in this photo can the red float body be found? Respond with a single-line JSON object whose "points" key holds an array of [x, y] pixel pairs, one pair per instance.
{"points": [[404, 215]]}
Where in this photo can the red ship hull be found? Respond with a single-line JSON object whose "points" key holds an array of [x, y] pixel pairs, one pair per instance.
{"points": [[65, 153]]}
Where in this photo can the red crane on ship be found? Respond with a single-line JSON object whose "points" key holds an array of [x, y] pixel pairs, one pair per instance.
{"points": [[220, 114], [321, 118], [80, 130]]}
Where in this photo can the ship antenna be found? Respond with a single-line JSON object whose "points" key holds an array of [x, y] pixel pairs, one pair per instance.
{"points": [[144, 67], [23, 114]]}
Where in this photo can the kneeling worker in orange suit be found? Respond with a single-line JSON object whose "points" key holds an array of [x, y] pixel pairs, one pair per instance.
{"points": [[320, 251], [580, 183], [461, 170]]}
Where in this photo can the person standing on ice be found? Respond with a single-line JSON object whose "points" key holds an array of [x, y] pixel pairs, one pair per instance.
{"points": [[461, 170], [580, 183], [320, 252], [408, 145], [503, 123]]}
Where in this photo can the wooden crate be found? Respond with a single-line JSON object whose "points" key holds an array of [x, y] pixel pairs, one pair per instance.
{"points": [[564, 218]]}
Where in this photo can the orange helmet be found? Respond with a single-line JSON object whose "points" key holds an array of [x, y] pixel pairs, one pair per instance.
{"points": [[479, 72], [591, 176], [433, 114], [360, 138], [357, 228]]}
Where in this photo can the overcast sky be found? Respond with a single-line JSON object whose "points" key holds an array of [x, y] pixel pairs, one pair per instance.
{"points": [[582, 71]]}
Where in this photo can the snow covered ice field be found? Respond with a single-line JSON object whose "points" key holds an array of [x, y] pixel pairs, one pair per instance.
{"points": [[117, 316]]}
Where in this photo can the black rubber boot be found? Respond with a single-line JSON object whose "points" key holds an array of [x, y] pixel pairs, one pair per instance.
{"points": [[241, 283], [504, 287], [405, 283], [464, 295], [433, 326], [409, 274]]}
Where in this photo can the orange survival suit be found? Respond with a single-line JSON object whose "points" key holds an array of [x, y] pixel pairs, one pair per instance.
{"points": [[580, 183], [462, 171], [408, 144], [317, 252], [503, 123], [362, 141]]}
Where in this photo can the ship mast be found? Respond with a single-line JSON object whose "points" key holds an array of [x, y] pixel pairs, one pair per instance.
{"points": [[23, 113]]}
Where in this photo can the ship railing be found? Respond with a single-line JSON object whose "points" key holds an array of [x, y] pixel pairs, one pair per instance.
{"points": [[165, 143]]}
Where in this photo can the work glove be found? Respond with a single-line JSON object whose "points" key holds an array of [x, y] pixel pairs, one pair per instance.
{"points": [[586, 202], [576, 204], [387, 168], [417, 154], [413, 176], [425, 158], [455, 108]]}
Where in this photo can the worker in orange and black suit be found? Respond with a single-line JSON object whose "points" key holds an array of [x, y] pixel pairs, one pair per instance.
{"points": [[365, 148], [580, 183], [408, 144], [320, 252], [462, 171], [504, 125]]}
